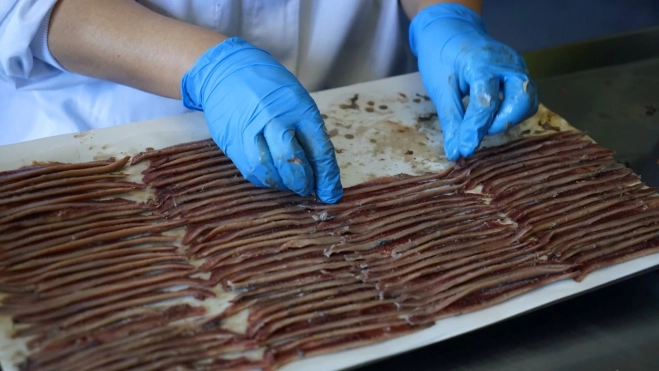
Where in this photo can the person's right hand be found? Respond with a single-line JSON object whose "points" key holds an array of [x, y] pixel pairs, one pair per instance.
{"points": [[458, 58], [263, 119]]}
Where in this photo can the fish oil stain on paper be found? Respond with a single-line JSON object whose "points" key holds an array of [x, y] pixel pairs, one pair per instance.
{"points": [[368, 128]]}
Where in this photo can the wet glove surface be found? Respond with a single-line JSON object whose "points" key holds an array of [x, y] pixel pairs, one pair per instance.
{"points": [[457, 58], [263, 119]]}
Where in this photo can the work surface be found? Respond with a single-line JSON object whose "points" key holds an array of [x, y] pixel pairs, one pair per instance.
{"points": [[385, 129], [614, 328]]}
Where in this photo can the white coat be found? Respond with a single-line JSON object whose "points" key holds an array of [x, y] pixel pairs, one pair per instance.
{"points": [[325, 43]]}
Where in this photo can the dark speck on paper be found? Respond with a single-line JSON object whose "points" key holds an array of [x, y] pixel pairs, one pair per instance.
{"points": [[324, 116], [369, 109], [349, 136], [416, 100], [383, 107], [548, 126], [333, 132], [373, 141], [338, 150], [426, 117], [409, 152], [353, 103], [370, 103]]}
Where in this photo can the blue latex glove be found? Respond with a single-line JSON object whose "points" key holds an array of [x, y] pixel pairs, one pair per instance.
{"points": [[263, 119], [457, 58]]}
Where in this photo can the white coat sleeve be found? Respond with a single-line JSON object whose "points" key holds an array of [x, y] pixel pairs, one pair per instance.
{"points": [[24, 52]]}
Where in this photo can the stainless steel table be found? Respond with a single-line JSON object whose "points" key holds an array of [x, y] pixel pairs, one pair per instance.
{"points": [[609, 88]]}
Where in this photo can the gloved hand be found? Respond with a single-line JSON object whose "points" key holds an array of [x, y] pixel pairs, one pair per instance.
{"points": [[456, 58], [263, 119]]}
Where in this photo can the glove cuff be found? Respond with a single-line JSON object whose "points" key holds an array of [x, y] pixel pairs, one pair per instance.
{"points": [[443, 12], [194, 81]]}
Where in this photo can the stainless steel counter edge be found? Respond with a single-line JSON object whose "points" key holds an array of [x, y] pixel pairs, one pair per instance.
{"points": [[591, 54]]}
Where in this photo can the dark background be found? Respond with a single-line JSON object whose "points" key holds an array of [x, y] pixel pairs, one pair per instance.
{"points": [[528, 25]]}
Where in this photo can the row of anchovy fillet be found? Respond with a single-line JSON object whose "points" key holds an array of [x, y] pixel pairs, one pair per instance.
{"points": [[91, 278]]}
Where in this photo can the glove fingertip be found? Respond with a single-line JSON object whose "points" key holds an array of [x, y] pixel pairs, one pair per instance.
{"points": [[468, 149], [330, 196], [256, 181], [271, 182], [450, 123], [499, 126], [470, 139], [330, 190], [451, 150], [297, 175], [307, 186]]}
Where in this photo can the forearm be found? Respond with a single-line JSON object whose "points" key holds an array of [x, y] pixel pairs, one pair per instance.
{"points": [[412, 7], [124, 42]]}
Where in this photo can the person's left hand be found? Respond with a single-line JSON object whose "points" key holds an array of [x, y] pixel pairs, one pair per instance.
{"points": [[457, 58]]}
